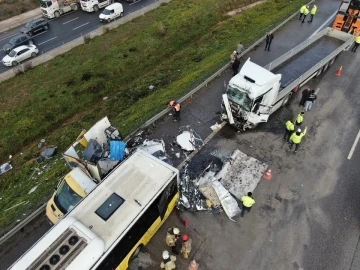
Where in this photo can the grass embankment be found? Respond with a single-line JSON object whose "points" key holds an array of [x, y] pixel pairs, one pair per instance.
{"points": [[173, 48], [11, 8]]}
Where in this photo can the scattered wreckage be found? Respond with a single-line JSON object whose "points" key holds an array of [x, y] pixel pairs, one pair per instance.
{"points": [[218, 185]]}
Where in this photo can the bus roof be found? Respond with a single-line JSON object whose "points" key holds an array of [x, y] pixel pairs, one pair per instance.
{"points": [[103, 217], [123, 195]]}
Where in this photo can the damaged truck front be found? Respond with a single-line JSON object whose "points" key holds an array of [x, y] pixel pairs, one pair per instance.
{"points": [[256, 92]]}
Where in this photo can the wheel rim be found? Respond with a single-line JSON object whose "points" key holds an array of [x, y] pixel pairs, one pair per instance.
{"points": [[46, 27], [33, 54], [57, 14]]}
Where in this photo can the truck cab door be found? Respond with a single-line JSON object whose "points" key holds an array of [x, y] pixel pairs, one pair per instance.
{"points": [[259, 113]]}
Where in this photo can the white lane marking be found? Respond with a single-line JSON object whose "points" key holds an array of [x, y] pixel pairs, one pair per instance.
{"points": [[325, 23], [317, 91], [71, 20], [46, 41], [80, 26], [39, 34], [354, 146], [10, 36], [134, 2]]}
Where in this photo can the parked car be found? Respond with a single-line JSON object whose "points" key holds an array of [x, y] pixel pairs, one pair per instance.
{"points": [[22, 39], [111, 12], [35, 26], [20, 54]]}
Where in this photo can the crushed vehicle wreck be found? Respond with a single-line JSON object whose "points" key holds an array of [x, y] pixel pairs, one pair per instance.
{"points": [[218, 185]]}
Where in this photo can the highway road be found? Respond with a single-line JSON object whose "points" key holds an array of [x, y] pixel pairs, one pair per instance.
{"points": [[67, 28], [272, 218]]}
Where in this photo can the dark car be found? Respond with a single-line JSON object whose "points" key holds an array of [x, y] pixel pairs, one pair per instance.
{"points": [[22, 39], [35, 26]]}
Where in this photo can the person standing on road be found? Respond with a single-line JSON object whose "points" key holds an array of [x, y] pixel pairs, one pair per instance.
{"points": [[233, 57], [172, 236], [296, 138], [306, 12], [235, 66], [300, 118], [312, 13], [310, 100], [302, 11], [176, 110], [268, 40], [356, 44], [239, 49], [247, 203], [186, 246], [289, 129], [305, 93], [168, 262]]}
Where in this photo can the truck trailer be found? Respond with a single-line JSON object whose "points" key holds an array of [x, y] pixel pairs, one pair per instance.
{"points": [[256, 92]]}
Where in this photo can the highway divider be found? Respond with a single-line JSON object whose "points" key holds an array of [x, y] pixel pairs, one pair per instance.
{"points": [[161, 114]]}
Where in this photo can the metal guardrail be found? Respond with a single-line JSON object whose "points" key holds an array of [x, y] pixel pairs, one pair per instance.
{"points": [[160, 114]]}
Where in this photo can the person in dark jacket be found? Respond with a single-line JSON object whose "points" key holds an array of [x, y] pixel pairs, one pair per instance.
{"points": [[305, 93], [235, 66], [268, 40], [310, 100]]}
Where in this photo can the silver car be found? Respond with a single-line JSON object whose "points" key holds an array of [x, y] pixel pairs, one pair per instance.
{"points": [[20, 54]]}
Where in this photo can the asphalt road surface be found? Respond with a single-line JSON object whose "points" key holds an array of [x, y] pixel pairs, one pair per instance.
{"points": [[299, 218], [67, 28]]}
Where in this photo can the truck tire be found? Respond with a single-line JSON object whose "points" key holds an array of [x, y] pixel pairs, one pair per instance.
{"points": [[136, 252], [74, 7], [332, 61], [57, 14], [96, 8], [319, 72], [286, 99], [326, 66]]}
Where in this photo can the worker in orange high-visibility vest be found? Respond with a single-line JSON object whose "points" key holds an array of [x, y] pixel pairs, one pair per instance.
{"points": [[176, 110]]}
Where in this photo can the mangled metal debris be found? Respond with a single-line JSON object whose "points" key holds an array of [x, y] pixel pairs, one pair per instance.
{"points": [[49, 152], [5, 168], [188, 139], [219, 186]]}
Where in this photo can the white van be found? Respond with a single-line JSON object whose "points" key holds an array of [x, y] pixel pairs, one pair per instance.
{"points": [[112, 12]]}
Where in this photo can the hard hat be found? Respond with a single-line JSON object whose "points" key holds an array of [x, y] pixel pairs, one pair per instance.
{"points": [[299, 130], [234, 52], [176, 231], [185, 237], [165, 255]]}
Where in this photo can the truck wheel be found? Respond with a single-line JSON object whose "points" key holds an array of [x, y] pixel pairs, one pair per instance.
{"points": [[326, 66], [57, 14], [74, 7], [332, 61], [319, 72], [96, 8], [286, 99]]}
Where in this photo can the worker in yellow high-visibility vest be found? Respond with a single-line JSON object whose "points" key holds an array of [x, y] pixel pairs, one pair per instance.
{"points": [[302, 11], [312, 13], [306, 12], [356, 44], [296, 138]]}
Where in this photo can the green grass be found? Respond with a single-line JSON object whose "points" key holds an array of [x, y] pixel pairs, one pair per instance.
{"points": [[173, 48], [11, 8]]}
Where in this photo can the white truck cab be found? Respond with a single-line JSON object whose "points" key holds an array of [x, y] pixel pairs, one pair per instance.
{"points": [[112, 12], [251, 93], [94, 5]]}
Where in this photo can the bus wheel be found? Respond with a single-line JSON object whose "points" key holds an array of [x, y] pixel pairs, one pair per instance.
{"points": [[332, 61], [136, 252]]}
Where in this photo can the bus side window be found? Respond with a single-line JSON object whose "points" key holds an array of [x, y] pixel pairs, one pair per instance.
{"points": [[166, 198]]}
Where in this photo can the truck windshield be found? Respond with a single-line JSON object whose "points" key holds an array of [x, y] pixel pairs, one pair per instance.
{"points": [[66, 198], [45, 3], [240, 98]]}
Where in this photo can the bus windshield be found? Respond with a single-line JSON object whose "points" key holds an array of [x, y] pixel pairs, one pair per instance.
{"points": [[66, 198], [240, 98]]}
